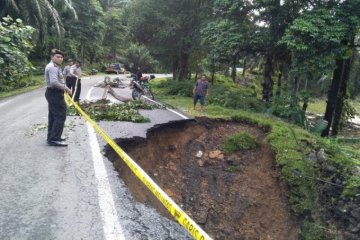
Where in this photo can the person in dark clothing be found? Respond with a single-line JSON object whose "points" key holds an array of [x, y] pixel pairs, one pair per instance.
{"points": [[74, 80], [55, 97], [138, 74], [66, 72], [201, 90]]}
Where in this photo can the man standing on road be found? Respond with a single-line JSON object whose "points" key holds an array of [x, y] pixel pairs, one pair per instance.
{"points": [[66, 73], [55, 97], [201, 90], [75, 81]]}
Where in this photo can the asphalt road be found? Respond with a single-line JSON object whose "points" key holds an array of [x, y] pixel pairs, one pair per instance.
{"points": [[73, 192]]}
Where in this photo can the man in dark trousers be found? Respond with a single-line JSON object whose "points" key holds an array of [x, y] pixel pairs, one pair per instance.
{"points": [[66, 73], [201, 90], [55, 97], [75, 72]]}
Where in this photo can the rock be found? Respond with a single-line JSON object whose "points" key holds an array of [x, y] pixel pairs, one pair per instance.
{"points": [[172, 147], [312, 156], [356, 171], [330, 169], [201, 216], [321, 155], [169, 193], [217, 154], [356, 213], [199, 154], [354, 229], [201, 163]]}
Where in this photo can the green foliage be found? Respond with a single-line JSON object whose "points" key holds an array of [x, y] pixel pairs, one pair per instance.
{"points": [[115, 112], [352, 189], [84, 35], [315, 231], [284, 107], [29, 83], [315, 41], [348, 112], [15, 45], [181, 88], [242, 141], [137, 55], [228, 94]]}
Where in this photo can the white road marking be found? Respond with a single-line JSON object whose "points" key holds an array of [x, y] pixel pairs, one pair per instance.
{"points": [[4, 103], [111, 225], [181, 115], [171, 110]]}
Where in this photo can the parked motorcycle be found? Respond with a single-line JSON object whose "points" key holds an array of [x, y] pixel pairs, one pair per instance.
{"points": [[141, 87]]}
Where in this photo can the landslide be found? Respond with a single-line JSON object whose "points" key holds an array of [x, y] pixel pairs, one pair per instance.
{"points": [[235, 195]]}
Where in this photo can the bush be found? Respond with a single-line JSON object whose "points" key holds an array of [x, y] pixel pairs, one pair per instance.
{"points": [[242, 141], [180, 88], [235, 98], [15, 45]]}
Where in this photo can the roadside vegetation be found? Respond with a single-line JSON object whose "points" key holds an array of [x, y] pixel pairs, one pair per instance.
{"points": [[322, 174], [25, 84], [103, 110]]}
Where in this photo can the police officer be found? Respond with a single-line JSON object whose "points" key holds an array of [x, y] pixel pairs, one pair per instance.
{"points": [[55, 97]]}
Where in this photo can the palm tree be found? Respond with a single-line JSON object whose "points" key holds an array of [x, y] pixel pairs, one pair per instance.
{"points": [[41, 14], [108, 4]]}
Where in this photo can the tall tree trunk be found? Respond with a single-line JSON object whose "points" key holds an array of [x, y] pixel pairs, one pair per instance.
{"points": [[342, 95], [268, 82], [175, 68], [184, 65], [212, 76], [332, 95], [234, 58], [82, 51], [294, 92], [278, 90], [244, 67]]}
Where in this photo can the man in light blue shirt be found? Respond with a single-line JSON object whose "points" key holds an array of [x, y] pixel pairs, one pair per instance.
{"points": [[55, 97]]}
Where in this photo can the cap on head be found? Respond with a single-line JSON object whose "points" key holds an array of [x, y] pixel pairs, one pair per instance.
{"points": [[70, 60], [57, 51]]}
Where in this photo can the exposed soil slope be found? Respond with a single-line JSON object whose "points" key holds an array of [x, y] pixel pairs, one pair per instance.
{"points": [[232, 196]]}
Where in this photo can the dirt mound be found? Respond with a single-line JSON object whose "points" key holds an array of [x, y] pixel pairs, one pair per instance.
{"points": [[232, 196]]}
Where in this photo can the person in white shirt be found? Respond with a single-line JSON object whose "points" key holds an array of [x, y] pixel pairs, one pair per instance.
{"points": [[75, 80], [55, 88]]}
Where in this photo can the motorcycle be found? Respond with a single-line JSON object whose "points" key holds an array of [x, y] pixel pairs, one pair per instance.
{"points": [[141, 87]]}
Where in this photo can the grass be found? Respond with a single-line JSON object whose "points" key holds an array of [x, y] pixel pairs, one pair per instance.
{"points": [[292, 146], [242, 141], [36, 82], [318, 106]]}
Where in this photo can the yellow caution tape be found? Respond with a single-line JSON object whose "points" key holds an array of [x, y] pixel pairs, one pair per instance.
{"points": [[170, 205]]}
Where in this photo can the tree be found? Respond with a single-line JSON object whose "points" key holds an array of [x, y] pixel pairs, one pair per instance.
{"points": [[15, 45], [115, 33], [137, 56], [41, 14], [347, 13], [170, 29], [84, 34]]}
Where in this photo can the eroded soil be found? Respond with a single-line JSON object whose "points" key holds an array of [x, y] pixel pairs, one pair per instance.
{"points": [[231, 196]]}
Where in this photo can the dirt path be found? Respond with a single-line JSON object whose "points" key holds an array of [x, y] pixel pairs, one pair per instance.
{"points": [[234, 196]]}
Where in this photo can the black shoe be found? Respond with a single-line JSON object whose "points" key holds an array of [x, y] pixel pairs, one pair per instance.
{"points": [[59, 139], [57, 143]]}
